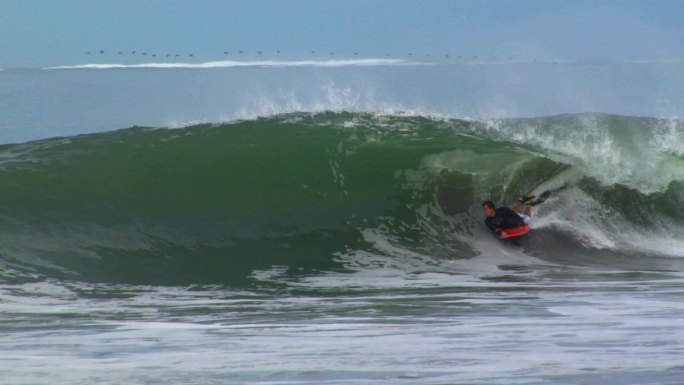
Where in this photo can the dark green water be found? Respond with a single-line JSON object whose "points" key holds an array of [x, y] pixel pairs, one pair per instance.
{"points": [[210, 204]]}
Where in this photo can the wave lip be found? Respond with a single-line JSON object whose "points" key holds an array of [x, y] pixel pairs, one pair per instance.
{"points": [[258, 63]]}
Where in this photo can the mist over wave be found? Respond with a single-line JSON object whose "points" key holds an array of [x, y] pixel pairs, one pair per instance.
{"points": [[336, 191], [86, 100]]}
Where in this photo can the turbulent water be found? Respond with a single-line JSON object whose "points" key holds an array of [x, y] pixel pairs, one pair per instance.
{"points": [[345, 247]]}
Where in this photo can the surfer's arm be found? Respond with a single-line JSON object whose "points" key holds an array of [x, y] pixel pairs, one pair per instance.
{"points": [[492, 224]]}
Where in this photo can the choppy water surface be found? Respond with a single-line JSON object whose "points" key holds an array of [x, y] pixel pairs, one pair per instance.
{"points": [[546, 324]]}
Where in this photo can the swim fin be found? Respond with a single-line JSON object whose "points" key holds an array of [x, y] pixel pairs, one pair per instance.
{"points": [[542, 198], [526, 197]]}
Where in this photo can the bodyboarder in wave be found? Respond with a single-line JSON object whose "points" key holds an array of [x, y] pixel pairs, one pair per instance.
{"points": [[504, 219]]}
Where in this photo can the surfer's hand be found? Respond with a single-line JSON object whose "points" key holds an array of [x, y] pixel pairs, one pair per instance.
{"points": [[502, 234]]}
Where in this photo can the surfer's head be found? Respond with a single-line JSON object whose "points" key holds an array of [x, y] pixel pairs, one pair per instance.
{"points": [[488, 209]]}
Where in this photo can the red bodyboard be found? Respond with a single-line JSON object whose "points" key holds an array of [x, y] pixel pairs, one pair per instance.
{"points": [[515, 231]]}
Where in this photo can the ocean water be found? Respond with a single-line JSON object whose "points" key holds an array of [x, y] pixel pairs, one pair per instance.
{"points": [[320, 223]]}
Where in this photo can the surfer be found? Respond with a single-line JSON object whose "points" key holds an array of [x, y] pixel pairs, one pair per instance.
{"points": [[503, 218]]}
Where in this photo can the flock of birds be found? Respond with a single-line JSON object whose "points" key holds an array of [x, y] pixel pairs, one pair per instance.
{"points": [[312, 52]]}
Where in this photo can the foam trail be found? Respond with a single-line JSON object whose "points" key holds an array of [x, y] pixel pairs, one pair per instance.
{"points": [[559, 181], [575, 212], [265, 63]]}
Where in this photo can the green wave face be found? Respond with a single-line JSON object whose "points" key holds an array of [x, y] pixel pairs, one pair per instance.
{"points": [[215, 203]]}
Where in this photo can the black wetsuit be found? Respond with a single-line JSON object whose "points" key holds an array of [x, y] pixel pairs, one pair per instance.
{"points": [[505, 218]]}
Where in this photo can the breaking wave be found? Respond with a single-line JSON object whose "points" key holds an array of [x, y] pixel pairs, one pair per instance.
{"points": [[215, 203]]}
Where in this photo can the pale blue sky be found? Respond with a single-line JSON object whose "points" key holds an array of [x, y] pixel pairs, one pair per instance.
{"points": [[35, 33]]}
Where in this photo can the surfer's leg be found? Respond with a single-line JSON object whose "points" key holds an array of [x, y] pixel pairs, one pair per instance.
{"points": [[525, 199], [528, 209]]}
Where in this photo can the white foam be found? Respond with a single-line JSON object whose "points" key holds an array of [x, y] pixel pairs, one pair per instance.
{"points": [[566, 177], [575, 212], [260, 63], [644, 158]]}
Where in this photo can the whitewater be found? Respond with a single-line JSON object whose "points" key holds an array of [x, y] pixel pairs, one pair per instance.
{"points": [[310, 222]]}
